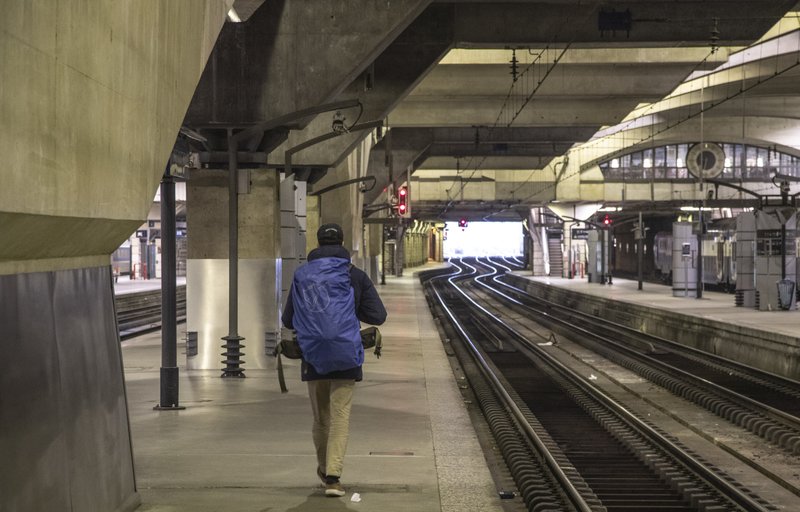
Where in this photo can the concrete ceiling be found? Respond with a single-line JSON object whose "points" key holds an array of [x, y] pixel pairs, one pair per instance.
{"points": [[565, 93], [439, 73]]}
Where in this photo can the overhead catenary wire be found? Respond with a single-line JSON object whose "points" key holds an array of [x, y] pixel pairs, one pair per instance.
{"points": [[509, 99], [684, 101], [740, 91]]}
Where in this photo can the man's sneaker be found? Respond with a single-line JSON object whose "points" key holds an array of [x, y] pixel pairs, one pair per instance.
{"points": [[321, 476], [334, 490]]}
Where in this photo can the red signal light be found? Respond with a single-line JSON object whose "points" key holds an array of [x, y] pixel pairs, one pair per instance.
{"points": [[606, 220], [462, 223], [402, 201]]}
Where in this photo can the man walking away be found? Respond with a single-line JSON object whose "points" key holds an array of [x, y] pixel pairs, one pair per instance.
{"points": [[328, 298]]}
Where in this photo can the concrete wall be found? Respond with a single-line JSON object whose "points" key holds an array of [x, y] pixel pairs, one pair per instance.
{"points": [[91, 99], [65, 442]]}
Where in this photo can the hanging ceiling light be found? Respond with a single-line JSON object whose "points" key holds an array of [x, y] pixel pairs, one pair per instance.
{"points": [[234, 16]]}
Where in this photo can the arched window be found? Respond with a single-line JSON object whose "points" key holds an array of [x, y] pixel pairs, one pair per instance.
{"points": [[668, 163]]}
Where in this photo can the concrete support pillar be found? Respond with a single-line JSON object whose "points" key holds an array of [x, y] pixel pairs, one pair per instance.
{"points": [[312, 221], [293, 230], [399, 252], [301, 202], [374, 250], [438, 235], [91, 101], [289, 233], [569, 271], [332, 204], [259, 266]]}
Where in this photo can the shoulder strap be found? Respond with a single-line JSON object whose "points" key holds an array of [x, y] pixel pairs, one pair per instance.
{"points": [[279, 365], [281, 378], [291, 349]]}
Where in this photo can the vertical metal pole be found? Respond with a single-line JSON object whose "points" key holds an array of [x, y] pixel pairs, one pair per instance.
{"points": [[399, 249], [233, 345], [699, 293], [603, 232], [569, 249], [390, 160], [383, 253], [640, 249], [700, 230], [169, 321], [783, 251], [143, 256], [233, 239]]}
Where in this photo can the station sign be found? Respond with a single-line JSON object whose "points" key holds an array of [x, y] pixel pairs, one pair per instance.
{"points": [[580, 234]]}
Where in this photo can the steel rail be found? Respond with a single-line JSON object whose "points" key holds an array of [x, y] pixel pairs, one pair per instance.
{"points": [[573, 494], [783, 419], [750, 371], [722, 485], [139, 313]]}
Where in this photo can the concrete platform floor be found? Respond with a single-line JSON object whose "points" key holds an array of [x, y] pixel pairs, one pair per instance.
{"points": [[713, 305], [242, 446]]}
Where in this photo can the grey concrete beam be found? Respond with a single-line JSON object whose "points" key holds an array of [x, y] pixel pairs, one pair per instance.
{"points": [[484, 111], [294, 55], [518, 150], [559, 134], [404, 160], [456, 142], [393, 75], [646, 80], [656, 23], [763, 77], [580, 78], [243, 9], [486, 162], [749, 107], [609, 56], [474, 211], [89, 110], [447, 148]]}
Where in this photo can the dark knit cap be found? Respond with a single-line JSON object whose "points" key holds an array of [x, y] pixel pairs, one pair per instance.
{"points": [[330, 234]]}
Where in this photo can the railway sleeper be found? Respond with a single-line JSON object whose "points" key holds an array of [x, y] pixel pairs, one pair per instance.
{"points": [[748, 420], [694, 489], [719, 406], [688, 485]]}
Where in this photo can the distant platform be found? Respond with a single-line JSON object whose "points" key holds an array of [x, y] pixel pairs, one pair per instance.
{"points": [[125, 285], [769, 340], [713, 305]]}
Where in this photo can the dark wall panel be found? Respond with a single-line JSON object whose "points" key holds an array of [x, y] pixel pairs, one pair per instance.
{"points": [[64, 437]]}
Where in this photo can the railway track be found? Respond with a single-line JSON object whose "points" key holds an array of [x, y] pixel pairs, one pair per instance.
{"points": [[140, 312], [586, 451], [765, 404]]}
